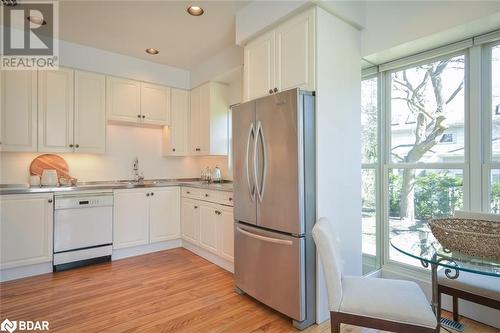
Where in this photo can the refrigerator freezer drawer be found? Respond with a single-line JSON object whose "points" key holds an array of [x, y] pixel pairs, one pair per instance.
{"points": [[270, 268]]}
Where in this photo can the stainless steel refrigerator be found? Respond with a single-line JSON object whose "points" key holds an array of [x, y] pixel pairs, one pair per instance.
{"points": [[274, 202]]}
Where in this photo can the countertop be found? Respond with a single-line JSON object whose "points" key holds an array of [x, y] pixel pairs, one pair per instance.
{"points": [[226, 186]]}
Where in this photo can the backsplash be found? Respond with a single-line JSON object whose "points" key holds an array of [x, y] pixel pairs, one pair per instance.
{"points": [[123, 144]]}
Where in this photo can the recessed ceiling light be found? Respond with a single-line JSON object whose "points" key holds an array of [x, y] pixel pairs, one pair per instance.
{"points": [[152, 51], [36, 20], [195, 10]]}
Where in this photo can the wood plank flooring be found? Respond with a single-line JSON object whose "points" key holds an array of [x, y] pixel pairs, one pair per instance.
{"points": [[168, 291]]}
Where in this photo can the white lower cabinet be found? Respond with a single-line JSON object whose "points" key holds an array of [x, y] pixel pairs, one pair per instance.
{"points": [[26, 224], [130, 218], [208, 225], [165, 214], [143, 216], [190, 221]]}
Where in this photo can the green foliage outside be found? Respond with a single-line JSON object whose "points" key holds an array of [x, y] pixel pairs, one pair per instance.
{"points": [[436, 194], [495, 198]]}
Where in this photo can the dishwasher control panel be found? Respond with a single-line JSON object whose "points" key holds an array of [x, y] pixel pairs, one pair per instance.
{"points": [[83, 201]]}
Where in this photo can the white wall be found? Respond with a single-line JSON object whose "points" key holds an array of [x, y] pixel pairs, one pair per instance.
{"points": [[394, 28], [338, 120], [226, 60], [124, 143], [96, 60]]}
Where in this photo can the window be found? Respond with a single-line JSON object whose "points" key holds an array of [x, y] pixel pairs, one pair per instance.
{"points": [[492, 82], [370, 170], [425, 178]]}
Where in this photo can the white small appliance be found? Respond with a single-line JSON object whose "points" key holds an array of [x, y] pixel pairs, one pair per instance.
{"points": [[83, 229]]}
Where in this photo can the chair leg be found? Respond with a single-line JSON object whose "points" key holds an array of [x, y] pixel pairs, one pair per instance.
{"points": [[455, 308], [334, 323], [438, 310]]}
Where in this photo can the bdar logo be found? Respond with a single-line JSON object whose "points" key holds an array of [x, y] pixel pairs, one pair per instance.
{"points": [[8, 325]]}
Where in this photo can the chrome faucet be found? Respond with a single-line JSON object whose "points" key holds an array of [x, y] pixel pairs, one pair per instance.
{"points": [[138, 176]]}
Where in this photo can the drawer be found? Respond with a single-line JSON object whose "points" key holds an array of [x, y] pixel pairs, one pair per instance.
{"points": [[192, 193], [218, 197], [225, 198]]}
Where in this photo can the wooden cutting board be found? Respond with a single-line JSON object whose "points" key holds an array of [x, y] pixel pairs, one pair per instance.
{"points": [[50, 161]]}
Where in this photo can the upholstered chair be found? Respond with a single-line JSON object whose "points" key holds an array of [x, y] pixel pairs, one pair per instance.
{"points": [[391, 305]]}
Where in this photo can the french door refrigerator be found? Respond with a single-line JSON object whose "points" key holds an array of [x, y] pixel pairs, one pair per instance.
{"points": [[274, 202]]}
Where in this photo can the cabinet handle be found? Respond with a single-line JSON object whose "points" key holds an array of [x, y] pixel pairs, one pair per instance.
{"points": [[138, 116], [198, 149], [71, 145], [275, 90], [77, 145], [173, 149], [195, 207], [270, 91], [50, 200], [217, 212], [143, 116], [230, 199], [147, 194], [188, 192], [152, 193], [206, 195]]}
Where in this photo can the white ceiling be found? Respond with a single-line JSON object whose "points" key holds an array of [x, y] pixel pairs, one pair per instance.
{"points": [[129, 27]]}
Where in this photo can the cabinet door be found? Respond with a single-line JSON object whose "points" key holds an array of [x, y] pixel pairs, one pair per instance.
{"points": [[225, 226], [155, 104], [130, 218], [295, 53], [259, 59], [190, 221], [55, 110], [164, 214], [26, 225], [123, 98], [18, 106], [90, 112], [204, 119], [195, 121], [208, 227], [175, 136]]}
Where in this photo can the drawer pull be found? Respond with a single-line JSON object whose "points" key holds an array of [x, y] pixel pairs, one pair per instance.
{"points": [[188, 192], [207, 195], [230, 199], [195, 207], [217, 212]]}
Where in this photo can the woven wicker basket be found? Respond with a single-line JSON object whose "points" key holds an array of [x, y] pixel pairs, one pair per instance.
{"points": [[473, 237]]}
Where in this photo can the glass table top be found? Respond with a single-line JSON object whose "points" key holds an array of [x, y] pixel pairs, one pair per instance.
{"points": [[429, 251]]}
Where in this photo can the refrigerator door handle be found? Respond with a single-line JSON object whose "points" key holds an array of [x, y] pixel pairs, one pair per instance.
{"points": [[251, 189], [259, 133], [264, 238]]}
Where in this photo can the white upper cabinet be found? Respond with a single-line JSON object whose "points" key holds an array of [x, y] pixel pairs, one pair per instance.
{"points": [[295, 53], [259, 62], [209, 119], [18, 107], [90, 113], [155, 104], [176, 136], [55, 110], [164, 214], [26, 222], [123, 99], [281, 59], [137, 102]]}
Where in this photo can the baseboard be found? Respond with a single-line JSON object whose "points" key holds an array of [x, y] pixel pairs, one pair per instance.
{"points": [[145, 249], [25, 271], [223, 263]]}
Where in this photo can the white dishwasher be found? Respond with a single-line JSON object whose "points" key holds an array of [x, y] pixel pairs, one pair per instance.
{"points": [[83, 229]]}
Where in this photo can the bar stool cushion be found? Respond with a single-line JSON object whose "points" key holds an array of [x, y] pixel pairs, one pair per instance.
{"points": [[482, 285], [393, 300]]}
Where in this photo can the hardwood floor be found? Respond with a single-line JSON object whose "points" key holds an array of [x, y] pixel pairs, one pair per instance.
{"points": [[168, 291]]}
